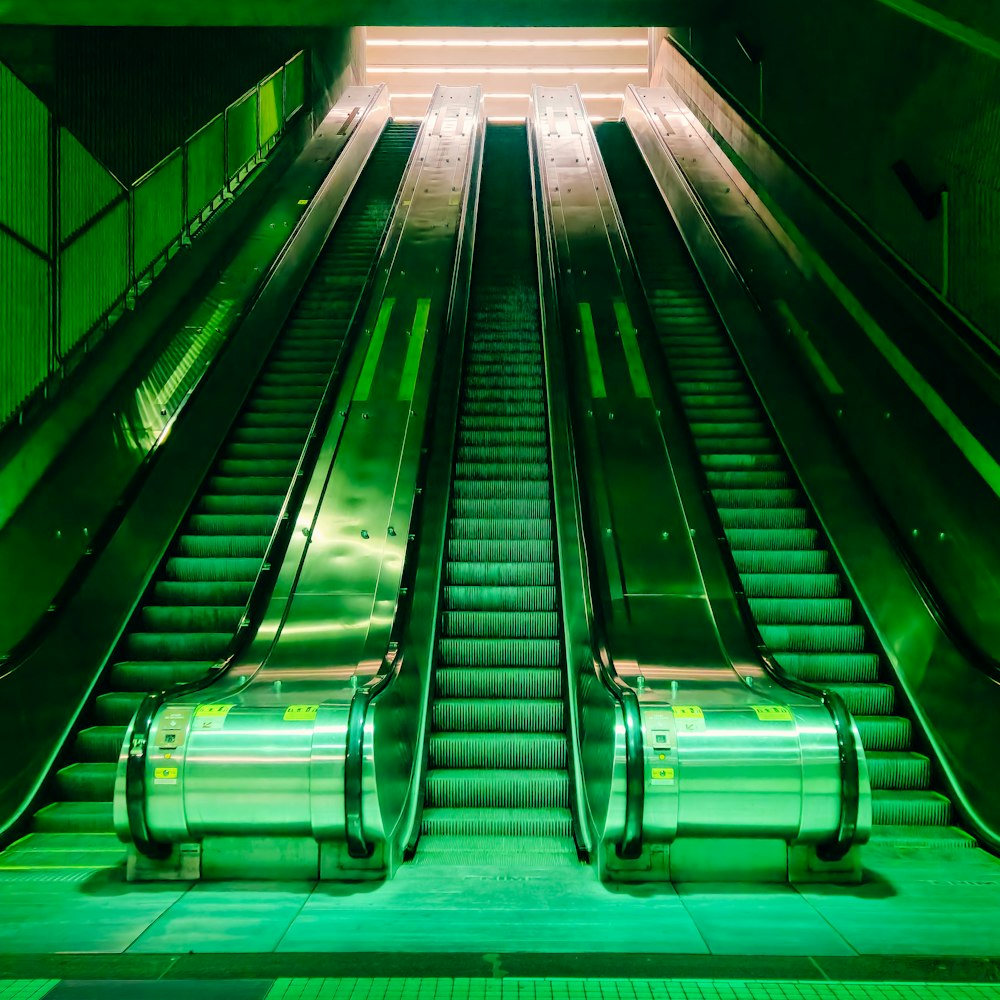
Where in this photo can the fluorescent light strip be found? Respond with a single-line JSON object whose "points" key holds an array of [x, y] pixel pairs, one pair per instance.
{"points": [[508, 97], [374, 71], [510, 43]]}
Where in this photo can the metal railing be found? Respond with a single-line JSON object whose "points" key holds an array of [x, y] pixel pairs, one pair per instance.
{"points": [[108, 240]]}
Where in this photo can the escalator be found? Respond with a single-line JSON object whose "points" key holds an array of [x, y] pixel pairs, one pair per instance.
{"points": [[797, 593], [497, 786], [187, 618]]}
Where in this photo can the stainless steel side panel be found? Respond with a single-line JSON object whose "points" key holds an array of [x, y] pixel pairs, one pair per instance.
{"points": [[955, 704], [262, 752], [728, 752], [43, 693]]}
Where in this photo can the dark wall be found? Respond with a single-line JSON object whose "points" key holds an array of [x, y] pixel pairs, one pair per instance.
{"points": [[852, 87], [131, 95]]}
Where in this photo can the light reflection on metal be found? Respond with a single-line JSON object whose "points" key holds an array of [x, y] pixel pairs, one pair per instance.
{"points": [[248, 771], [745, 757]]}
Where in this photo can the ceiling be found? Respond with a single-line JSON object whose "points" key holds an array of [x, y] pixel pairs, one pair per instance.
{"points": [[505, 62]]}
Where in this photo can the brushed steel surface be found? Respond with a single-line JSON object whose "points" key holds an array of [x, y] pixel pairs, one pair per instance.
{"points": [[729, 753], [44, 693], [955, 704], [271, 763]]}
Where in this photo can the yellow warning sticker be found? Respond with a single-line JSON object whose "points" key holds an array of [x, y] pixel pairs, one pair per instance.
{"points": [[301, 713], [772, 713], [687, 712], [303, 201], [663, 774], [212, 711], [165, 773]]}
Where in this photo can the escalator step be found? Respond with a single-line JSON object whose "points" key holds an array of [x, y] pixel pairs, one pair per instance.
{"points": [[937, 837], [501, 489], [46, 851], [762, 518], [866, 699], [212, 569], [502, 470], [774, 585], [267, 468], [500, 574], [891, 732], [275, 486], [246, 451], [116, 708], [96, 743], [774, 539], [910, 808], [485, 851], [157, 675], [734, 499], [739, 480], [794, 561], [802, 611], [498, 750], [719, 448], [497, 789], [484, 598], [489, 550], [480, 509], [500, 624], [459, 715], [481, 823], [240, 503], [87, 782], [202, 592], [295, 435], [223, 546], [741, 429], [821, 638], [188, 646], [498, 682], [842, 667], [75, 817], [181, 618], [230, 524], [499, 529], [737, 462], [499, 653], [899, 770]]}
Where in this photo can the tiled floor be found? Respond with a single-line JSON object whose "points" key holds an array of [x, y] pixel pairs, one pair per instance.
{"points": [[911, 903], [491, 989]]}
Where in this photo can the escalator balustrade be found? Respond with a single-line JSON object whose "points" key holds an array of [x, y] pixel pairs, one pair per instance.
{"points": [[797, 593], [188, 616]]}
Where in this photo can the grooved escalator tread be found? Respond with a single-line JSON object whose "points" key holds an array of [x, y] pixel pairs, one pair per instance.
{"points": [[497, 780]]}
